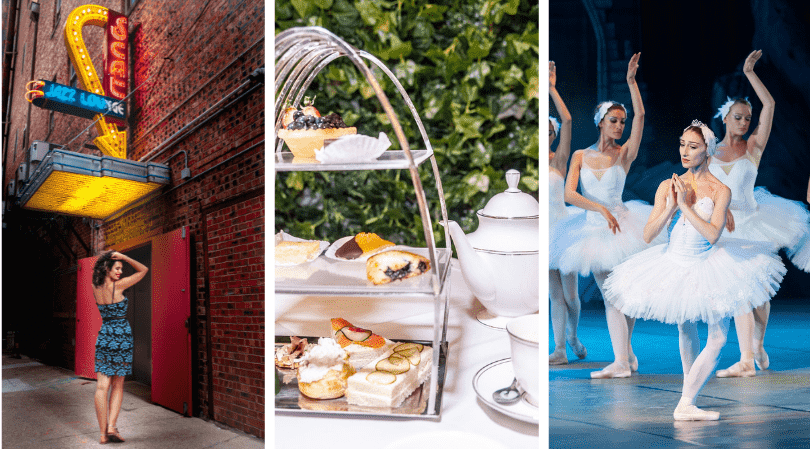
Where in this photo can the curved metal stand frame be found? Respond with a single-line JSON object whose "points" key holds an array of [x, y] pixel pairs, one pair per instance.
{"points": [[301, 53]]}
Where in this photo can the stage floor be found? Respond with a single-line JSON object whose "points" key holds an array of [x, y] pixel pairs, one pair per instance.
{"points": [[771, 410]]}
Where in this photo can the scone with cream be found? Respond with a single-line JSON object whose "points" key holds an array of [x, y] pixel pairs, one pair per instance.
{"points": [[323, 370]]}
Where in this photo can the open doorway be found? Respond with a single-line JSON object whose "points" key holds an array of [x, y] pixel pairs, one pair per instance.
{"points": [[139, 316]]}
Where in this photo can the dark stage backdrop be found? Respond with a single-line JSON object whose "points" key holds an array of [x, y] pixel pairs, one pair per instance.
{"points": [[692, 54]]}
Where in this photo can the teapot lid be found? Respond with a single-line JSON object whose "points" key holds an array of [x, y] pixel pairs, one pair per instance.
{"points": [[512, 203]]}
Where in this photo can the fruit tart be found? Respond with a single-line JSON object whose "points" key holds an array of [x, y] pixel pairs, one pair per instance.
{"points": [[305, 131]]}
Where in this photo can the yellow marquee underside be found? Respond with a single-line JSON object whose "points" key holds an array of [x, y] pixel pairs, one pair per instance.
{"points": [[87, 195]]}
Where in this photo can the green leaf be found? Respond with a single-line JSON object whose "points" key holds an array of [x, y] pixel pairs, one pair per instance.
{"points": [[469, 125], [478, 72], [532, 83], [513, 75], [303, 7], [511, 7], [532, 148], [479, 44], [397, 50], [296, 181], [432, 107], [323, 4], [433, 13], [406, 72]]}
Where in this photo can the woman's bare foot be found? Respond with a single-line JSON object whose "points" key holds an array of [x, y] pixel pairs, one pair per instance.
{"points": [[112, 434], [104, 439]]}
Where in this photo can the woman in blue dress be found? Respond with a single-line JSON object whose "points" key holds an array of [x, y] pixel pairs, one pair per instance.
{"points": [[114, 343]]}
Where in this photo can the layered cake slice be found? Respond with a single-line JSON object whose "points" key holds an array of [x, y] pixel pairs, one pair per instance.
{"points": [[362, 345], [390, 379]]}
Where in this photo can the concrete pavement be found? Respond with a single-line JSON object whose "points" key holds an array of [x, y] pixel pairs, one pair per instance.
{"points": [[49, 407]]}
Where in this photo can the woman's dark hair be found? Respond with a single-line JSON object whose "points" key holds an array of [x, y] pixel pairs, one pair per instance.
{"points": [[103, 265]]}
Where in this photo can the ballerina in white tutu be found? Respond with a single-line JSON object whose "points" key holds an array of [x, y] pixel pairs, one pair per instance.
{"points": [[758, 214], [694, 277], [610, 230], [562, 289]]}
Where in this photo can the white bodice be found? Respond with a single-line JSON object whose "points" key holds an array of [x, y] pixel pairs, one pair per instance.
{"points": [[603, 186], [684, 239], [739, 175], [556, 197]]}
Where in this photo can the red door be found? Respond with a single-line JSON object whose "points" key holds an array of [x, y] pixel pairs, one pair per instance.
{"points": [[171, 312], [88, 320]]}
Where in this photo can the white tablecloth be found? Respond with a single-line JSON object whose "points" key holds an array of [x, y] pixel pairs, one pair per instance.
{"points": [[466, 422]]}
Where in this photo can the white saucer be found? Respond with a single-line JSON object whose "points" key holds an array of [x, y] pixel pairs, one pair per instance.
{"points": [[490, 320], [497, 375]]}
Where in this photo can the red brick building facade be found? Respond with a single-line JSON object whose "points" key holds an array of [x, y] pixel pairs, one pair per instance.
{"points": [[197, 69]]}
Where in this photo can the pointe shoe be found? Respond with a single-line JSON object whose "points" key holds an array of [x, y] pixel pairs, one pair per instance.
{"points": [[633, 362], [558, 358], [738, 369], [615, 370], [578, 348], [692, 412], [761, 358]]}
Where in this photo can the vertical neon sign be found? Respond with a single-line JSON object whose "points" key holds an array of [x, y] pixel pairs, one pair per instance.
{"points": [[110, 141], [116, 54]]}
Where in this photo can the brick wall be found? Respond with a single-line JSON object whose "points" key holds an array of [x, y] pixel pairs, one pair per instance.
{"points": [[185, 56], [235, 257]]}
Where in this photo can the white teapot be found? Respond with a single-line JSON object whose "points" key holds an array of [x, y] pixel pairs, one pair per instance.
{"points": [[500, 260]]}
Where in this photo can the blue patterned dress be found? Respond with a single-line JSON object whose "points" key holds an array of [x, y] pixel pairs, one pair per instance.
{"points": [[114, 343]]}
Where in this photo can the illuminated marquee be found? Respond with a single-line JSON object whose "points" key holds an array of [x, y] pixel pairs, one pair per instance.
{"points": [[110, 141], [90, 186]]}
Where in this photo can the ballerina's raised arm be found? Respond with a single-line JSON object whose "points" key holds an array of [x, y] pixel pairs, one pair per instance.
{"points": [[630, 148]]}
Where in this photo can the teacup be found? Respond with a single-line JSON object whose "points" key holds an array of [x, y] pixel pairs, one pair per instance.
{"points": [[524, 340]]}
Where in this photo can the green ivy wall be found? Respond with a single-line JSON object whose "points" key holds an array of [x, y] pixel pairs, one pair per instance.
{"points": [[471, 70]]}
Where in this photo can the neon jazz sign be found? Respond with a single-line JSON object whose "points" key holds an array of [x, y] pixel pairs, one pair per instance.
{"points": [[76, 102], [111, 141]]}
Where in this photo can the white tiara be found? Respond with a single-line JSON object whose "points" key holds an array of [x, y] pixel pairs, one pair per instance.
{"points": [[708, 136], [723, 110], [603, 109], [556, 124]]}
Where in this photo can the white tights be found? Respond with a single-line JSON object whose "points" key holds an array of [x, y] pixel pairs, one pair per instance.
{"points": [[697, 368], [620, 327], [751, 331], [565, 306]]}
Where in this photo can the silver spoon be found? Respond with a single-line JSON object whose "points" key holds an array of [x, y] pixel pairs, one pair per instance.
{"points": [[507, 395]]}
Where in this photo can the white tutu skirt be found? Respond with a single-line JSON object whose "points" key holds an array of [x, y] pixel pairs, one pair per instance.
{"points": [[731, 279], [800, 254], [784, 222], [583, 243], [554, 221]]}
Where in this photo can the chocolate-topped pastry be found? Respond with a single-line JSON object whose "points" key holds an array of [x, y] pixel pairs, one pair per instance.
{"points": [[362, 244], [349, 250]]}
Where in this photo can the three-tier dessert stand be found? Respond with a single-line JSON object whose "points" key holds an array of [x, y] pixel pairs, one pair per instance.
{"points": [[300, 54]]}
